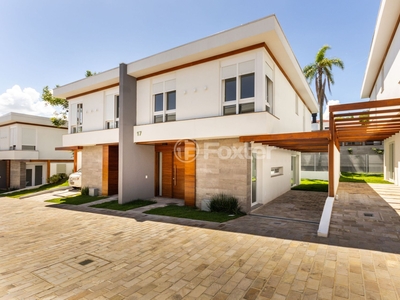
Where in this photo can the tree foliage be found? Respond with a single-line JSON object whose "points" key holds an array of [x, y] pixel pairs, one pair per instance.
{"points": [[321, 72], [61, 114], [90, 73]]}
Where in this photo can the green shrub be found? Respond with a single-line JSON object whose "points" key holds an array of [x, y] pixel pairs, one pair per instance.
{"points": [[84, 191], [57, 177], [225, 203]]}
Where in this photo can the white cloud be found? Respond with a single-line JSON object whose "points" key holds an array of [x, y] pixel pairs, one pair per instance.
{"points": [[26, 101], [326, 112]]}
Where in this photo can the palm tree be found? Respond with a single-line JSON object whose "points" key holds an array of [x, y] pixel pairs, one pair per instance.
{"points": [[321, 71]]}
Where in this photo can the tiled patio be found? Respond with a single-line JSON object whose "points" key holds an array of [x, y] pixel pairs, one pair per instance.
{"points": [[79, 252]]}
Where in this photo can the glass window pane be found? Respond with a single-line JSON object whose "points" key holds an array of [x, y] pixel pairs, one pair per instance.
{"points": [[158, 102], [229, 110], [170, 117], [171, 100], [247, 86], [246, 108], [230, 89], [158, 119], [117, 109]]}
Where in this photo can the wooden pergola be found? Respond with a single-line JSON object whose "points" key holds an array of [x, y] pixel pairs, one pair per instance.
{"points": [[353, 122]]}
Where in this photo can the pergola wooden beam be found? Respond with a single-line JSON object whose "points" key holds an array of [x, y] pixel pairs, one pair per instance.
{"points": [[372, 123], [342, 116], [359, 131], [365, 105], [367, 119]]}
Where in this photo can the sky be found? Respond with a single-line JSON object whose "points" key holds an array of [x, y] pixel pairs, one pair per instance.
{"points": [[53, 42]]}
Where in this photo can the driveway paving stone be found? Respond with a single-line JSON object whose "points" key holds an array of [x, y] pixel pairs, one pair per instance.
{"points": [[79, 252]]}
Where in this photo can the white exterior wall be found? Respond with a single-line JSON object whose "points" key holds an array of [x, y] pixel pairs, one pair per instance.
{"points": [[272, 186], [387, 84], [396, 140], [53, 168], [45, 140], [199, 95], [93, 109]]}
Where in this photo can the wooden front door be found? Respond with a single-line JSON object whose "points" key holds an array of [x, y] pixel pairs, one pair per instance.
{"points": [[175, 176], [171, 177]]}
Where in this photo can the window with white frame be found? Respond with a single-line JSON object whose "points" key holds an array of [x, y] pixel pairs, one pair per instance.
{"points": [[111, 111], [238, 87], [296, 104], [28, 139], [269, 95], [276, 171], [164, 101], [76, 117]]}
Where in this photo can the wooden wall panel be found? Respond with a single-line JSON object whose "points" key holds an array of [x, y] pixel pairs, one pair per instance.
{"points": [[190, 174], [167, 173], [179, 179], [113, 170], [110, 170], [104, 183]]}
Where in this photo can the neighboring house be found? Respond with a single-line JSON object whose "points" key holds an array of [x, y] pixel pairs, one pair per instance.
{"points": [[382, 76], [27, 151], [169, 124]]}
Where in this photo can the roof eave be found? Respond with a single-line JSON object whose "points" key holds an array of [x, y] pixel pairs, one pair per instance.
{"points": [[387, 19]]}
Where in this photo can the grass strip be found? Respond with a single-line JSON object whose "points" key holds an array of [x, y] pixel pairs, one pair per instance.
{"points": [[363, 178], [44, 187], [124, 207], [316, 185], [188, 212], [313, 185], [75, 200]]}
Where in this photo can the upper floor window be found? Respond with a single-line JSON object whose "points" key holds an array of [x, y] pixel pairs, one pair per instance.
{"points": [[296, 104], [76, 117], [28, 139], [112, 112], [164, 101], [269, 95], [238, 83]]}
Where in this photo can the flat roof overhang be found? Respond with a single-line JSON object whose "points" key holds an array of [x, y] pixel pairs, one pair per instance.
{"points": [[68, 148], [265, 32]]}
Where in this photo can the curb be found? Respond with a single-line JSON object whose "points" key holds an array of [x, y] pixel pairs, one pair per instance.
{"points": [[47, 191]]}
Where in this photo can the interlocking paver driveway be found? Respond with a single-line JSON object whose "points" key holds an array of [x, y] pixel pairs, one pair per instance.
{"points": [[52, 253]]}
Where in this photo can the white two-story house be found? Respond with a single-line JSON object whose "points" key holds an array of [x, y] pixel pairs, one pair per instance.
{"points": [[169, 125], [27, 151], [382, 77]]}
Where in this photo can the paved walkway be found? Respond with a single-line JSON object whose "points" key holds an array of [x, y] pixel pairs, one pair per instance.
{"points": [[365, 215], [78, 252], [297, 205]]}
